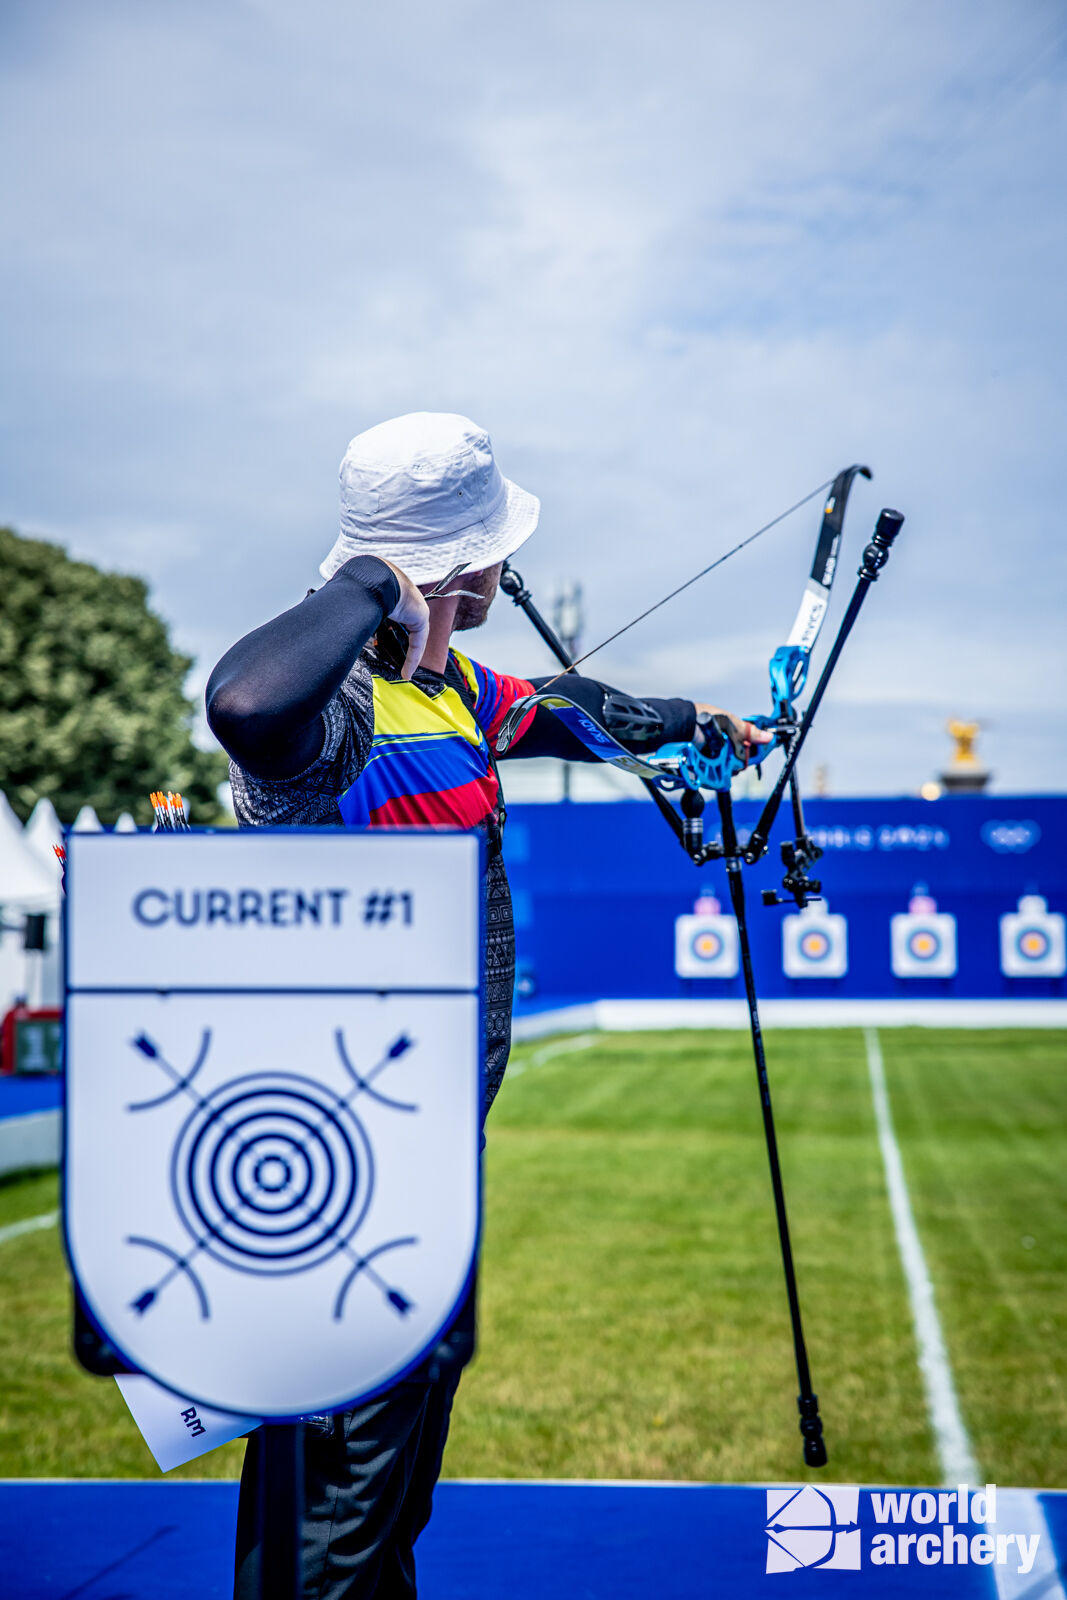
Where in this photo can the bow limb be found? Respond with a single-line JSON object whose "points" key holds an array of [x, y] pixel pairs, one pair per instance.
{"points": [[789, 663]]}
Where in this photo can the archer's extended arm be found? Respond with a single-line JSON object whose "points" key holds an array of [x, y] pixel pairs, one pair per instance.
{"points": [[638, 724]]}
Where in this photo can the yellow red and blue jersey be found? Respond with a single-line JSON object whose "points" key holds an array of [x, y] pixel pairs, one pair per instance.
{"points": [[429, 762]]}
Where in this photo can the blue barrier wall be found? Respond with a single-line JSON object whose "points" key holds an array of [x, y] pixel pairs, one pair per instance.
{"points": [[597, 890]]}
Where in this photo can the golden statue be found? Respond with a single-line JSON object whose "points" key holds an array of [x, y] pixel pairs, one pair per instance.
{"points": [[964, 733], [965, 774]]}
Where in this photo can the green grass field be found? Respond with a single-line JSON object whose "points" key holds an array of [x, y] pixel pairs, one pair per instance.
{"points": [[633, 1317]]}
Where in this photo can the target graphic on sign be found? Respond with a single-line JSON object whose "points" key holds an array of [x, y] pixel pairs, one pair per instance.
{"points": [[270, 1176], [271, 1173]]}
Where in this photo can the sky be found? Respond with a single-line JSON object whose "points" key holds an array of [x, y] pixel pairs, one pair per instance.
{"points": [[683, 261]]}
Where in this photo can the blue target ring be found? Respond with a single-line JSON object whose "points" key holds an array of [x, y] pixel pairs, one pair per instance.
{"points": [[299, 1213], [272, 1173], [1032, 944], [707, 945], [268, 1178], [924, 944], [815, 945]]}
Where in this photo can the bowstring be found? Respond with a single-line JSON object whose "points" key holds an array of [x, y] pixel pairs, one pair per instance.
{"points": [[752, 537]]}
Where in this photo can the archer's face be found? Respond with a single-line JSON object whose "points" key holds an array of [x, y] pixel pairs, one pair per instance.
{"points": [[472, 613]]}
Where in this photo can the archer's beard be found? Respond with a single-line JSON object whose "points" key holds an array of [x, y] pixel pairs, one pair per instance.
{"points": [[470, 613]]}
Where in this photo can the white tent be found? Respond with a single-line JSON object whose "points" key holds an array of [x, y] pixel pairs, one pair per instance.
{"points": [[26, 884], [24, 878], [125, 824], [87, 821], [44, 831]]}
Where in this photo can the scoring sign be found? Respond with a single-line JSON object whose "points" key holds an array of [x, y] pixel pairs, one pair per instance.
{"points": [[272, 1153]]}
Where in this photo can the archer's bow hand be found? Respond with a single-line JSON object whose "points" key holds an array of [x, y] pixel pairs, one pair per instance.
{"points": [[744, 736]]}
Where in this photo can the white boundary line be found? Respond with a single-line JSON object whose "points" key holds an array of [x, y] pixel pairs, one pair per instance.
{"points": [[626, 1015], [955, 1453], [30, 1141], [548, 1052], [15, 1230]]}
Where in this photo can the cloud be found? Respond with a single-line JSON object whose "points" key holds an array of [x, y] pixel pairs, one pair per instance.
{"points": [[685, 264]]}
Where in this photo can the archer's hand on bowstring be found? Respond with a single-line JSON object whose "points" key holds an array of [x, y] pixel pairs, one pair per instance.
{"points": [[744, 736], [413, 615]]}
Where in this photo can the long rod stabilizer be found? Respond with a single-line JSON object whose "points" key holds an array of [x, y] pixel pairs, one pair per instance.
{"points": [[807, 1399]]}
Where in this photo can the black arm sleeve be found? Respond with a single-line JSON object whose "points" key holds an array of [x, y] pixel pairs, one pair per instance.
{"points": [[548, 737], [266, 696]]}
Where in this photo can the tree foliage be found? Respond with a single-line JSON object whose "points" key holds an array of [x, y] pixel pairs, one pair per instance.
{"points": [[92, 702]]}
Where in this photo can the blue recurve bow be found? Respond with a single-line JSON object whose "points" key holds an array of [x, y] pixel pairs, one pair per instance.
{"points": [[692, 769]]}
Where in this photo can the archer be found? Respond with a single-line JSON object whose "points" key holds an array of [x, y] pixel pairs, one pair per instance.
{"points": [[354, 709]]}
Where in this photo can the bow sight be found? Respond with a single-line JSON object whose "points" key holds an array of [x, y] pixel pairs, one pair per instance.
{"points": [[709, 764]]}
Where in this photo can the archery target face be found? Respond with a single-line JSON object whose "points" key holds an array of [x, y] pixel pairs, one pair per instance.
{"points": [[923, 945], [814, 945], [1032, 945], [705, 947]]}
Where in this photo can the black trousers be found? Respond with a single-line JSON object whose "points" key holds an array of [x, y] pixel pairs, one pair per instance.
{"points": [[368, 1493]]}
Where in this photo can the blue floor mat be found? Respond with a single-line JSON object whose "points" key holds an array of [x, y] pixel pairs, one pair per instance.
{"points": [[19, 1097], [491, 1541]]}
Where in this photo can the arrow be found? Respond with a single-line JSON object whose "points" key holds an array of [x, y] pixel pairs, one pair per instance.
{"points": [[812, 1527]]}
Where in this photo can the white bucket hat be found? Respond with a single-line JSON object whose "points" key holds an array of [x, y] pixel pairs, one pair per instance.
{"points": [[425, 492]]}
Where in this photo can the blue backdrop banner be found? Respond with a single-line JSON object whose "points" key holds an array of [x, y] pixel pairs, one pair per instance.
{"points": [[962, 897]]}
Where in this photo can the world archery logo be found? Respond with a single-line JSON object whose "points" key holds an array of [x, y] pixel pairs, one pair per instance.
{"points": [[811, 1527]]}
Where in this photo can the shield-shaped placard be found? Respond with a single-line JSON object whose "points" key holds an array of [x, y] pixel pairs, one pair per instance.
{"points": [[272, 1195]]}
